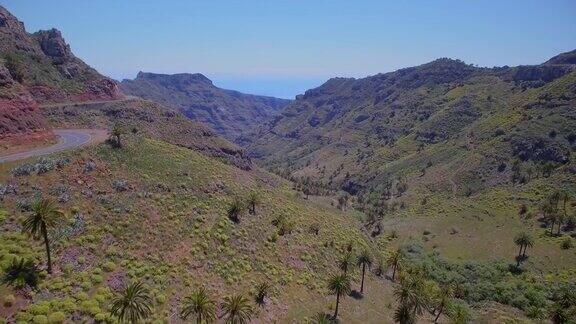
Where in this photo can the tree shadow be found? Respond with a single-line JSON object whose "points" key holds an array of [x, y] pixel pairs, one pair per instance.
{"points": [[514, 269], [356, 294], [113, 143]]}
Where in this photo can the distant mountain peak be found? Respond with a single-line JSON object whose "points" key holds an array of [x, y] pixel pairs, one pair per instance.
{"points": [[181, 78]]}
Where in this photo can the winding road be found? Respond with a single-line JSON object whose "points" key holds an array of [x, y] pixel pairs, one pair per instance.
{"points": [[67, 139]]}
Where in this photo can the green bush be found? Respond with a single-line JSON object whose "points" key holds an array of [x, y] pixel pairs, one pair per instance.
{"points": [[9, 300], [96, 278], [40, 319], [160, 298], [566, 243], [39, 309], [57, 318], [109, 266]]}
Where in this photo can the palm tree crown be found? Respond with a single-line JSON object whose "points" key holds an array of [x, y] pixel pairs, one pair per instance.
{"points": [[44, 215], [339, 285], [201, 305], [133, 304], [21, 272], [235, 210], [346, 261], [253, 201], [237, 309], [394, 260], [364, 260]]}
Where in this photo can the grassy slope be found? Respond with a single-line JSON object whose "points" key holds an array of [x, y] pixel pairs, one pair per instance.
{"points": [[171, 229]]}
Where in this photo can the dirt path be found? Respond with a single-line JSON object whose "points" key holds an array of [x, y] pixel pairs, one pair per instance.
{"points": [[67, 139]]}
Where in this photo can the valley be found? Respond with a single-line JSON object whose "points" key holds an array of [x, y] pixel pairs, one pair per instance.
{"points": [[440, 193]]}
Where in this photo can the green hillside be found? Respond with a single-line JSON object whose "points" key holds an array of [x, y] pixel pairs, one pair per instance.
{"points": [[157, 212]]}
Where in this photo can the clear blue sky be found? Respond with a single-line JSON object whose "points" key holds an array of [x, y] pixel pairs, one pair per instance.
{"points": [[282, 48]]}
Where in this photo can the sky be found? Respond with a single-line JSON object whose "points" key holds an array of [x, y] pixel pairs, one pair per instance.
{"points": [[282, 48]]}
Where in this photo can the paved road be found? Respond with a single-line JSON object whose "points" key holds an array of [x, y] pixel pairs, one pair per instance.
{"points": [[87, 103], [67, 139]]}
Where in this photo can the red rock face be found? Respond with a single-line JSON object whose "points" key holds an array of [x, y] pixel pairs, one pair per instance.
{"points": [[21, 122], [106, 89]]}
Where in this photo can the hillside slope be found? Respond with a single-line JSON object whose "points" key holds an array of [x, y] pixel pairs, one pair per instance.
{"points": [[149, 119], [469, 124], [232, 114], [156, 212]]}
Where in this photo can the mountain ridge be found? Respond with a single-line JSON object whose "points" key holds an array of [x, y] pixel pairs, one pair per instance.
{"points": [[340, 133], [230, 113]]}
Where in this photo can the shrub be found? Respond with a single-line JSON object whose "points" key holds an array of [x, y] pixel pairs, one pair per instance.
{"points": [[566, 243], [96, 278], [109, 266], [120, 185], [9, 300], [68, 268], [40, 319], [21, 272], [57, 317], [160, 298]]}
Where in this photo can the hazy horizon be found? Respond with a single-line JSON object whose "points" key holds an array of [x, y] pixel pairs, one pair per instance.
{"points": [[280, 49]]}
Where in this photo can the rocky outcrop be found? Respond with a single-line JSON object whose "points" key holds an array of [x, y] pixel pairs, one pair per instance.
{"points": [[44, 64], [53, 45]]}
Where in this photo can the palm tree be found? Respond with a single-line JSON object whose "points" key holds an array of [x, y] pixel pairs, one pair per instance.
{"points": [[524, 241], [442, 302], [321, 318], [564, 306], [20, 273], [549, 214], [364, 259], [339, 285], [380, 266], [200, 304], [262, 290], [528, 243], [346, 261], [394, 260], [411, 292], [564, 197], [237, 309], [235, 210], [403, 315], [44, 215], [133, 304], [253, 201], [118, 131]]}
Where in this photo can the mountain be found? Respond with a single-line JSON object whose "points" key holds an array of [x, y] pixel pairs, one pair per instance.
{"points": [[232, 114], [444, 125], [36, 69], [44, 64]]}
